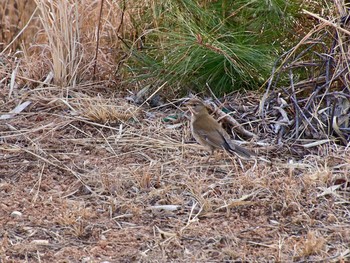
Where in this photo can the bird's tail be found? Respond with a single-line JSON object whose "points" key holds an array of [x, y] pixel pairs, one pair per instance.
{"points": [[236, 149], [233, 148]]}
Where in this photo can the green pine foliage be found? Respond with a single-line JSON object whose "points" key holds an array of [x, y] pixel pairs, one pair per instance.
{"points": [[226, 44]]}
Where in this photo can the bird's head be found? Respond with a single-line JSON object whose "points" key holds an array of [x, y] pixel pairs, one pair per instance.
{"points": [[196, 107]]}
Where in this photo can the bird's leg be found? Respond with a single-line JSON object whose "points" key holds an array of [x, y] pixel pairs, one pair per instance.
{"points": [[210, 154], [240, 163], [218, 155], [255, 164]]}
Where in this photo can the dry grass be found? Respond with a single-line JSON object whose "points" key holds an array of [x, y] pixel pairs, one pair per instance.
{"points": [[86, 176], [18, 26], [313, 108], [138, 190], [59, 38]]}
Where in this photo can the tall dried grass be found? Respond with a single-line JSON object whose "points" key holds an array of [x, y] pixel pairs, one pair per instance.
{"points": [[16, 23], [62, 23], [63, 40]]}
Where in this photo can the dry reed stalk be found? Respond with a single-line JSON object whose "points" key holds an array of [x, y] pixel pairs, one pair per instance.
{"points": [[62, 24]]}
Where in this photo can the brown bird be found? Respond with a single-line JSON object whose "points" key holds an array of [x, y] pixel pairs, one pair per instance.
{"points": [[209, 133]]}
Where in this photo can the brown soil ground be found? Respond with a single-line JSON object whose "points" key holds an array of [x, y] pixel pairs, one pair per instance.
{"points": [[75, 190]]}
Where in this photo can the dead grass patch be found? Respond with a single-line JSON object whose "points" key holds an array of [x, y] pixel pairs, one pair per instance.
{"points": [[86, 176], [137, 189]]}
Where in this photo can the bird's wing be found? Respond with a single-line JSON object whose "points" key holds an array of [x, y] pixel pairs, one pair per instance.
{"points": [[207, 130], [212, 137]]}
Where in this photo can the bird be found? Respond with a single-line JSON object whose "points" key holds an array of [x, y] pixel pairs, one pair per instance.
{"points": [[209, 133]]}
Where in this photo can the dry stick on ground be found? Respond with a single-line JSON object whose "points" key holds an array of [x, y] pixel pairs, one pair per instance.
{"points": [[295, 103], [276, 71], [287, 55], [298, 109]]}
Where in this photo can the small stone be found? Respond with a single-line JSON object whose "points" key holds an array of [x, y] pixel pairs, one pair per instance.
{"points": [[16, 214], [86, 260]]}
